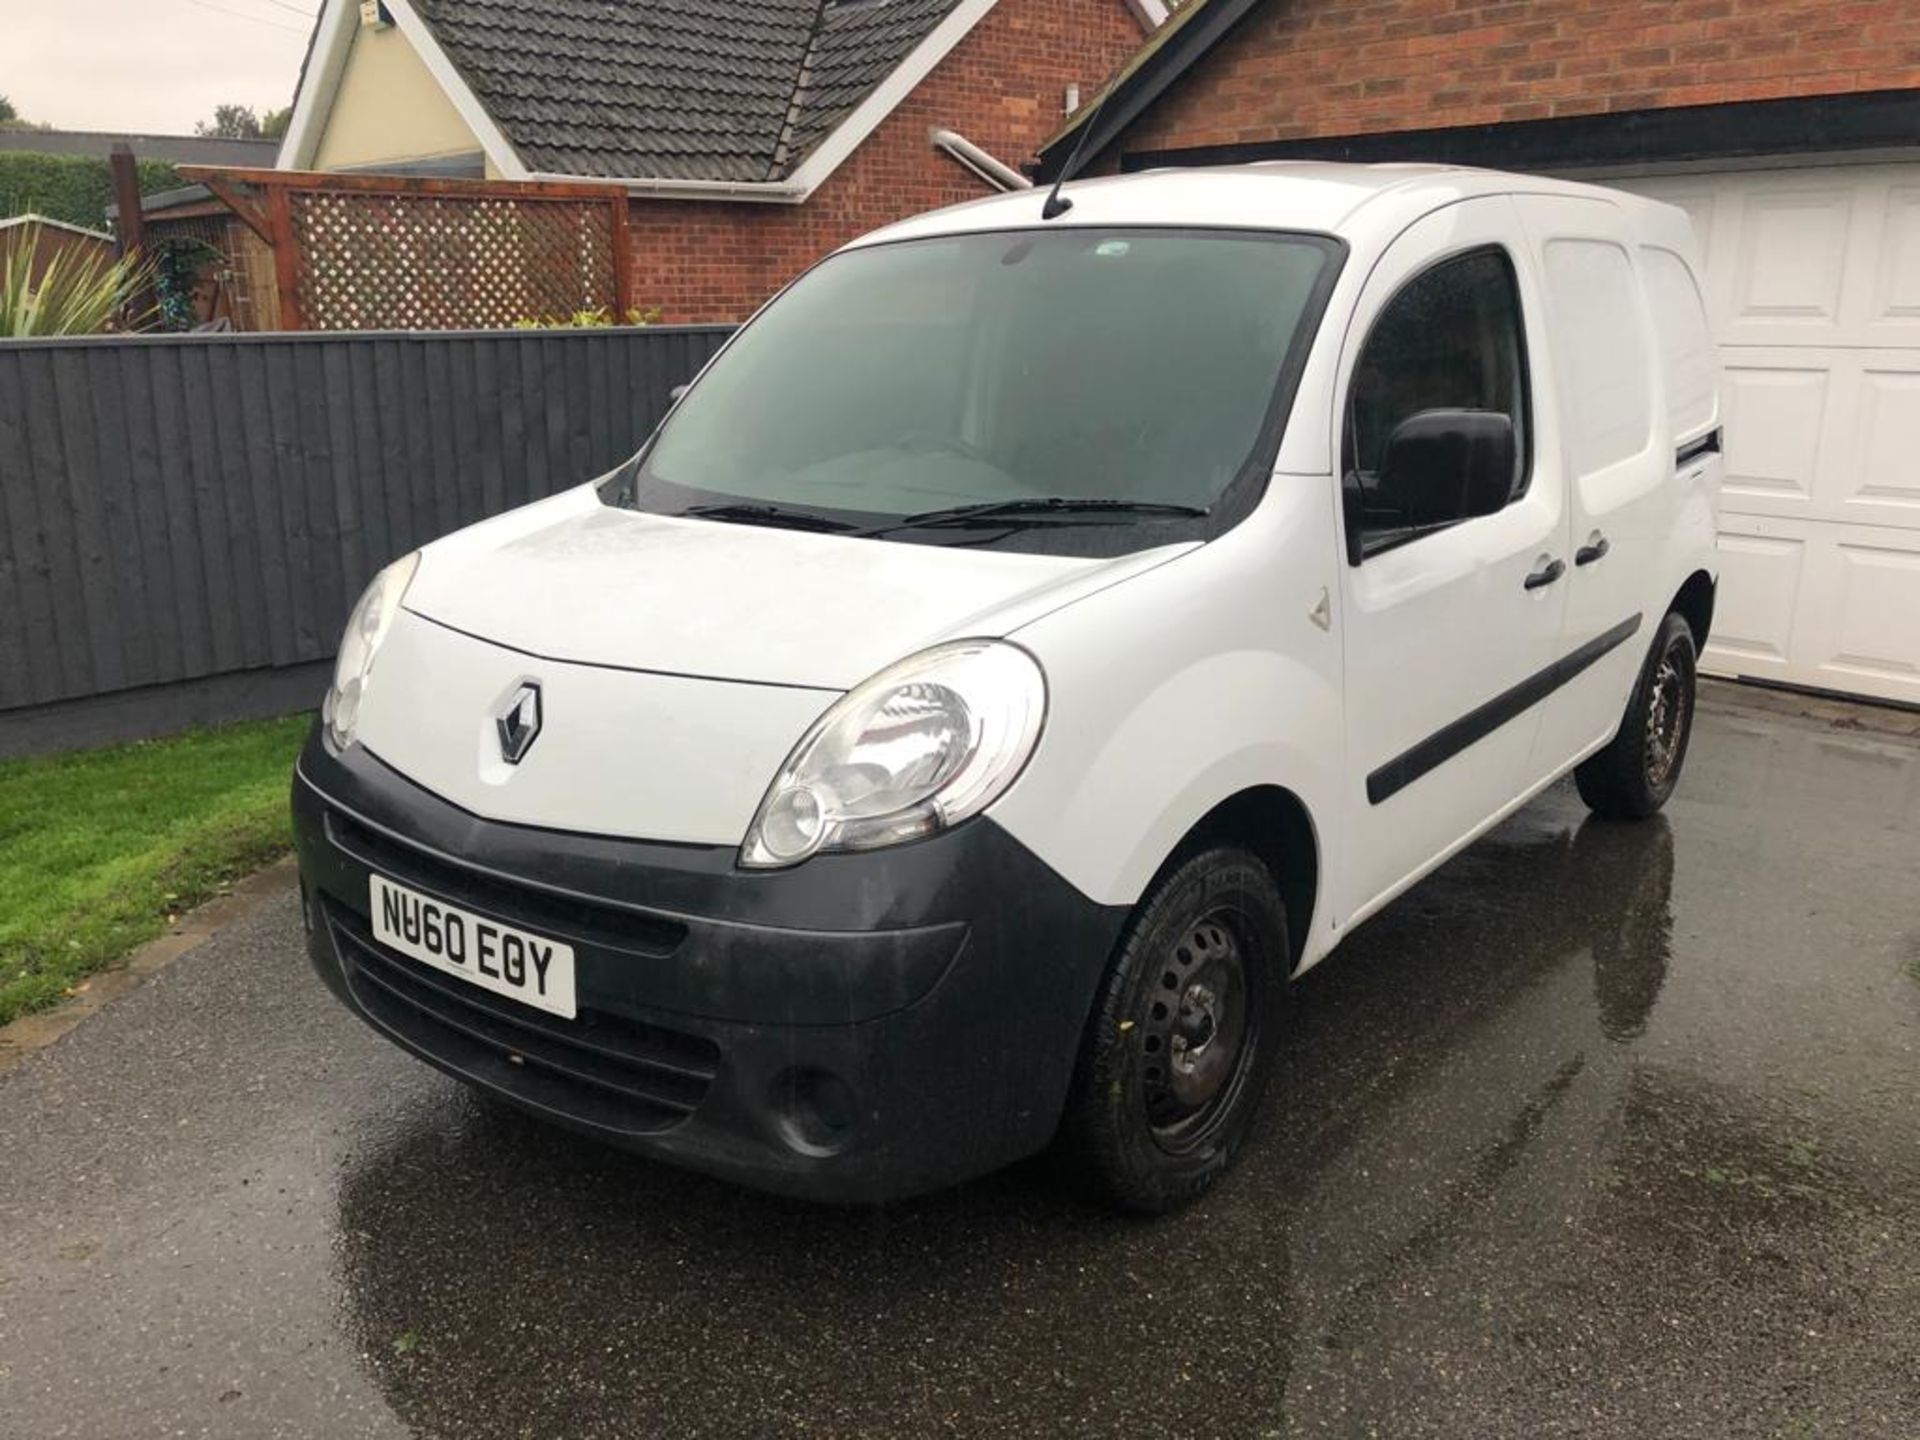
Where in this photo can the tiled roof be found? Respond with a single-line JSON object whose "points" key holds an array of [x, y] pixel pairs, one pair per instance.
{"points": [[674, 89], [856, 47]]}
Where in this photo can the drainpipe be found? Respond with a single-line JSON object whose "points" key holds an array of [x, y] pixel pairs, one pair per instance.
{"points": [[996, 173]]}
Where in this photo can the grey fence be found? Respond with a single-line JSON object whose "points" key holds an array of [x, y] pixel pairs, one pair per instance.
{"points": [[186, 520]]}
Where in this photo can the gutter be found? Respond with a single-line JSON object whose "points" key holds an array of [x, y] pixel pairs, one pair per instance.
{"points": [[778, 192]]}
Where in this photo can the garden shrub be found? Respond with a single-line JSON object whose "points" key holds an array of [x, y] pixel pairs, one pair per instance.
{"points": [[73, 188]]}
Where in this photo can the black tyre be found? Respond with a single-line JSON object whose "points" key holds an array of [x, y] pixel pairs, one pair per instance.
{"points": [[1634, 775], [1183, 1034]]}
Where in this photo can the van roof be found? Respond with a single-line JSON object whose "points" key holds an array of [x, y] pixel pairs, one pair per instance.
{"points": [[1326, 197]]}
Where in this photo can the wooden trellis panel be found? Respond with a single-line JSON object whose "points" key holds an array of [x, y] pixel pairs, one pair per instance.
{"points": [[387, 252]]}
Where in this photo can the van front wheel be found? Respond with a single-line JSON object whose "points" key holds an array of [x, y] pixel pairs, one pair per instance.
{"points": [[1634, 775], [1183, 1034]]}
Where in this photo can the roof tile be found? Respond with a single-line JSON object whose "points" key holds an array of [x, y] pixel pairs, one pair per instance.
{"points": [[682, 89]]}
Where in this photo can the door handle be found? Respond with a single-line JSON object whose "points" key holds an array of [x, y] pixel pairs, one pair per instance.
{"points": [[1546, 574], [1596, 547]]}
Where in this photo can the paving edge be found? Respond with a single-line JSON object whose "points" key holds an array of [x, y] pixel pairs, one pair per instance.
{"points": [[192, 930]]}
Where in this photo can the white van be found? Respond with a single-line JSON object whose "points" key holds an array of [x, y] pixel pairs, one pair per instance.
{"points": [[1027, 646]]}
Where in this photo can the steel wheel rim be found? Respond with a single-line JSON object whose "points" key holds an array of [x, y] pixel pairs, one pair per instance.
{"points": [[1199, 1029], [1669, 705]]}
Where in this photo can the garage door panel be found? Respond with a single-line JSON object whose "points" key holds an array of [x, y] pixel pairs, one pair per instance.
{"points": [[1896, 292], [1813, 280], [1776, 416], [1753, 615], [1882, 485], [1837, 606], [1702, 204], [1790, 265], [1870, 639], [1806, 257], [1822, 432]]}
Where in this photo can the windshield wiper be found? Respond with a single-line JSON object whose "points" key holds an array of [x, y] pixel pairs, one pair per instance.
{"points": [[1033, 506], [744, 514]]}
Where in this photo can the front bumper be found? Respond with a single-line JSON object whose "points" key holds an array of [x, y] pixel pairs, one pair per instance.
{"points": [[858, 1028]]}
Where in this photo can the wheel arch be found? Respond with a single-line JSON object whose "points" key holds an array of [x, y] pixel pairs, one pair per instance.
{"points": [[1694, 601], [1274, 824]]}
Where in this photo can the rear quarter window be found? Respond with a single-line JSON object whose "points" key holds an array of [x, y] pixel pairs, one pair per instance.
{"points": [[1604, 350], [1686, 343]]}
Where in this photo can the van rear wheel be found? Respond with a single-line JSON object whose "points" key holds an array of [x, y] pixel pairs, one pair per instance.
{"points": [[1183, 1034], [1634, 775]]}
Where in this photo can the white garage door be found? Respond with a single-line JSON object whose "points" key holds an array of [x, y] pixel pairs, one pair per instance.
{"points": [[1814, 285]]}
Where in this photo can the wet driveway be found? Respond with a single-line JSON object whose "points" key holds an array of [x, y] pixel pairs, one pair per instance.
{"points": [[1603, 1130]]}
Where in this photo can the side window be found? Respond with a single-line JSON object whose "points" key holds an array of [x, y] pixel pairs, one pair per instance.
{"points": [[1686, 344], [1603, 348], [1436, 422]]}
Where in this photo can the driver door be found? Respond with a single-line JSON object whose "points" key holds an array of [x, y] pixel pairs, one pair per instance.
{"points": [[1451, 620]]}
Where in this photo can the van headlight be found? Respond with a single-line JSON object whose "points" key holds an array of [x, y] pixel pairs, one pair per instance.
{"points": [[918, 748], [367, 626]]}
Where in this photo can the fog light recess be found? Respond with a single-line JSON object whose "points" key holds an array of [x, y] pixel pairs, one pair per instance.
{"points": [[814, 1110]]}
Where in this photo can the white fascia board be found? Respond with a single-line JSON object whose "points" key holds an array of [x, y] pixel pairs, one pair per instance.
{"points": [[492, 140], [332, 39]]}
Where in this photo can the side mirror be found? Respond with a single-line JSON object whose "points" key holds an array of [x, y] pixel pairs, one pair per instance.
{"points": [[1446, 465]]}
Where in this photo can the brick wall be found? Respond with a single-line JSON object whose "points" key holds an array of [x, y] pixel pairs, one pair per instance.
{"points": [[1001, 87], [1301, 68]]}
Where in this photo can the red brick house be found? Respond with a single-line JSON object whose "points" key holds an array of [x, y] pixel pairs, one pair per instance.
{"points": [[1789, 129], [753, 136]]}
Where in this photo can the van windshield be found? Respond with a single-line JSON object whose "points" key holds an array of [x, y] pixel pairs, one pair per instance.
{"points": [[1016, 372]]}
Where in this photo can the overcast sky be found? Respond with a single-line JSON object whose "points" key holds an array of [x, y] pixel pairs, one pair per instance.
{"points": [[153, 65]]}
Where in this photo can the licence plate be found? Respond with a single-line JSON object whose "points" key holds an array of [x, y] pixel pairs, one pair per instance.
{"points": [[515, 963]]}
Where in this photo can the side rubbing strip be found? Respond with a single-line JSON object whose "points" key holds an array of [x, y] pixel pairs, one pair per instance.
{"points": [[1477, 724], [1707, 444]]}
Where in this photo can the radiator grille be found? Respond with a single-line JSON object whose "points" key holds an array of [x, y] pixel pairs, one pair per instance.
{"points": [[601, 1068]]}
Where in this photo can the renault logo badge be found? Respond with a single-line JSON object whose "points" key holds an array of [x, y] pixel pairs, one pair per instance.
{"points": [[519, 723]]}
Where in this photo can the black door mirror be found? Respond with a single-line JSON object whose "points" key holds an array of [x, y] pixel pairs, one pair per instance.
{"points": [[1446, 465]]}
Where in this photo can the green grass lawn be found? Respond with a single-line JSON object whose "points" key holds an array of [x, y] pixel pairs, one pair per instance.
{"points": [[99, 849]]}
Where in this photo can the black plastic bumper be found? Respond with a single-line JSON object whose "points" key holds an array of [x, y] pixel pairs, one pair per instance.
{"points": [[858, 1028]]}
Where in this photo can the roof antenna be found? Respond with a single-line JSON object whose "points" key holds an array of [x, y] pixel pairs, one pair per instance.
{"points": [[1056, 203]]}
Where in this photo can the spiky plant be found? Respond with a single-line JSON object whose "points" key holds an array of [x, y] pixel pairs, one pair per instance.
{"points": [[78, 292]]}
